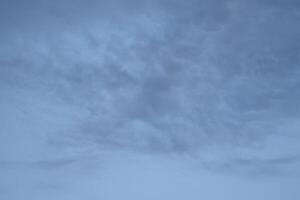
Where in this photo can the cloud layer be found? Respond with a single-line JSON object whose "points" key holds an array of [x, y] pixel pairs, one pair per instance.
{"points": [[213, 82]]}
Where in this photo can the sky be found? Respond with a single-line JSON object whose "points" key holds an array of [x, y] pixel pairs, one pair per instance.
{"points": [[143, 100]]}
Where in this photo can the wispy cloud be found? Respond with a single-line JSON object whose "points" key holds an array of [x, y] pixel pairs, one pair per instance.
{"points": [[215, 81]]}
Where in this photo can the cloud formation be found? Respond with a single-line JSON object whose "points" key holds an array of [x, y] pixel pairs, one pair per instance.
{"points": [[214, 81]]}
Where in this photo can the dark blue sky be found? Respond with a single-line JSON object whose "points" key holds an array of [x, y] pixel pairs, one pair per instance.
{"points": [[161, 99]]}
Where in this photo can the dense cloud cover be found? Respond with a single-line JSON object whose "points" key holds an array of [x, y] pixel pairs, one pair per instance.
{"points": [[149, 99]]}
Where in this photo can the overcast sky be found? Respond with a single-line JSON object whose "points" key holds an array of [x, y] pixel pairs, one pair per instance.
{"points": [[144, 100]]}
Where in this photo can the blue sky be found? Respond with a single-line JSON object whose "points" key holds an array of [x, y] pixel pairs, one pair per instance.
{"points": [[158, 99]]}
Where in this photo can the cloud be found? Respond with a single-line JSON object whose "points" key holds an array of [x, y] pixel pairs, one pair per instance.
{"points": [[214, 81], [255, 167]]}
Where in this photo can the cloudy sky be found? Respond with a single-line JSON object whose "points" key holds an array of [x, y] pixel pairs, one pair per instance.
{"points": [[149, 99]]}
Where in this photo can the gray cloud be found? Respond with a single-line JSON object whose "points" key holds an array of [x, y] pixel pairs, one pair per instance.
{"points": [[214, 81]]}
